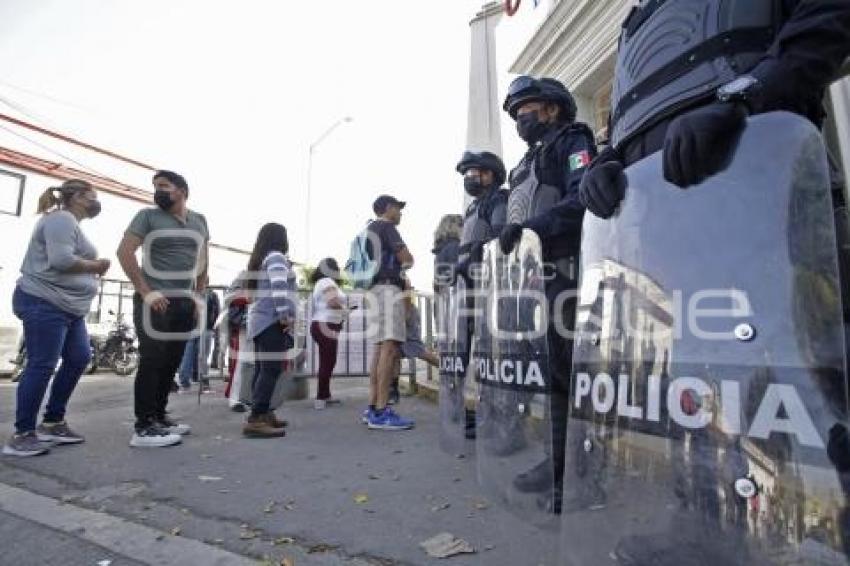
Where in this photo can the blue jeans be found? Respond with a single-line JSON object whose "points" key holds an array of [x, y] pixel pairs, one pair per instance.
{"points": [[189, 368], [49, 334]]}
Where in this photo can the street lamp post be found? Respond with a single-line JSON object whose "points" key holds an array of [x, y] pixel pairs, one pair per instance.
{"points": [[313, 146]]}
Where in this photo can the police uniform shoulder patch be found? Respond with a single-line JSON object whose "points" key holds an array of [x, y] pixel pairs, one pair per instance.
{"points": [[579, 159]]}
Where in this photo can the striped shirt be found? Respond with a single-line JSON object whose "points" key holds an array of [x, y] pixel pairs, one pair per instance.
{"points": [[274, 299]]}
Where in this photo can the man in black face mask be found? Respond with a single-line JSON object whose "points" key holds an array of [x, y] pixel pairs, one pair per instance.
{"points": [[483, 174], [176, 248], [544, 198]]}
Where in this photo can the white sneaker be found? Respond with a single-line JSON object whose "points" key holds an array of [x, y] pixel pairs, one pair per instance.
{"points": [[320, 404], [174, 427], [154, 436]]}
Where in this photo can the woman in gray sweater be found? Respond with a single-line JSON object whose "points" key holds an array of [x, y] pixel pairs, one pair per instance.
{"points": [[52, 297]]}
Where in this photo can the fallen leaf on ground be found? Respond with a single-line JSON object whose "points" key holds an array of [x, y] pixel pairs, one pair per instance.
{"points": [[176, 531], [287, 562], [361, 498], [316, 548], [270, 507], [247, 535], [445, 545], [481, 505], [283, 540]]}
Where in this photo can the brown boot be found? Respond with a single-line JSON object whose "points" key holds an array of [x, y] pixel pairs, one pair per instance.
{"points": [[258, 427], [272, 419]]}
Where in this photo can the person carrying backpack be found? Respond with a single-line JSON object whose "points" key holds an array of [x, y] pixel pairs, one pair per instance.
{"points": [[385, 247]]}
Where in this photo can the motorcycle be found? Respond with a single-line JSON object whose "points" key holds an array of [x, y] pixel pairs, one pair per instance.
{"points": [[116, 351]]}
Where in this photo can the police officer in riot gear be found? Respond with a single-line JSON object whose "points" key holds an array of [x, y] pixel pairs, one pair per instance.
{"points": [[689, 101], [544, 198], [483, 176], [692, 101]]}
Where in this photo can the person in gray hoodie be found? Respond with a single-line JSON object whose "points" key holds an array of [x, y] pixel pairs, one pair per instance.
{"points": [[52, 297]]}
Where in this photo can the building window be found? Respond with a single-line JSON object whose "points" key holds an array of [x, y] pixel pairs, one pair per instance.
{"points": [[11, 192], [602, 110]]}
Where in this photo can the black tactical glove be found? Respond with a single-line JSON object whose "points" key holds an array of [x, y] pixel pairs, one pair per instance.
{"points": [[509, 237], [603, 185], [698, 144], [458, 271], [838, 447]]}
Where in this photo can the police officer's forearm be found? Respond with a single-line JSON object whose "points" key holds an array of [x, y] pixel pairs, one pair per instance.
{"points": [[558, 221], [806, 54]]}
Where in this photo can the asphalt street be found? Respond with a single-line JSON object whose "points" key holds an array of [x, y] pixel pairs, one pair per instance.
{"points": [[332, 492]]}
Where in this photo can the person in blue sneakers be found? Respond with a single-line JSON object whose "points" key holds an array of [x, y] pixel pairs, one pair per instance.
{"points": [[387, 309]]}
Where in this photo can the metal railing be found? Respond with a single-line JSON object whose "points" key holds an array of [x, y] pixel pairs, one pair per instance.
{"points": [[354, 349]]}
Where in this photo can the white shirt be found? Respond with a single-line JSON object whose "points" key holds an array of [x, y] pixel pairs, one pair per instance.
{"points": [[321, 311]]}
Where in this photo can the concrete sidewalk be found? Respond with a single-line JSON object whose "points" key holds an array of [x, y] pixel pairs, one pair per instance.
{"points": [[331, 492]]}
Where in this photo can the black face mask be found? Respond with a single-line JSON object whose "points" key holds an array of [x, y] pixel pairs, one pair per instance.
{"points": [[93, 208], [473, 186], [163, 199], [530, 128]]}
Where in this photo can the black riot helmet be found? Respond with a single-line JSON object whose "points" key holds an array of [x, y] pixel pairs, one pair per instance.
{"points": [[483, 160], [526, 89]]}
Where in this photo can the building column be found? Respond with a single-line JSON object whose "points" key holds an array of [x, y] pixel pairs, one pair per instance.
{"points": [[483, 130]]}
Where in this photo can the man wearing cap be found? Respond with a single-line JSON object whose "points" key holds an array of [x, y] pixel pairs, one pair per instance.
{"points": [[386, 300], [544, 198]]}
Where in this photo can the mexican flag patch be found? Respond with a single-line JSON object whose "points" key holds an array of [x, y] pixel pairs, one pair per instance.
{"points": [[579, 160]]}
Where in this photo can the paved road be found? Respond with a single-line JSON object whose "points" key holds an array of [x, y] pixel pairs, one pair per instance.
{"points": [[302, 492]]}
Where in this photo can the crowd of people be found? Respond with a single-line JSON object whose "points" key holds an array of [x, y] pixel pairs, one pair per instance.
{"points": [[176, 316]]}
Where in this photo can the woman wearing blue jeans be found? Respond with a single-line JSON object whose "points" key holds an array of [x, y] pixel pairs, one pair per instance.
{"points": [[54, 293]]}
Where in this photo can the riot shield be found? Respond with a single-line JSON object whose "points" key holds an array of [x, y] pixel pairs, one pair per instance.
{"points": [[708, 401], [513, 432], [453, 346]]}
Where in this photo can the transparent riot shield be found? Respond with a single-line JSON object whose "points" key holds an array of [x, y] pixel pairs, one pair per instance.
{"points": [[453, 345], [708, 402], [513, 447]]}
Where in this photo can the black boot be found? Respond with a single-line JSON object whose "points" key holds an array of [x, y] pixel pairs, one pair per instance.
{"points": [[469, 431], [538, 479]]}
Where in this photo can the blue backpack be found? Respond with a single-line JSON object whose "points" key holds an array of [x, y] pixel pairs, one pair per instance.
{"points": [[361, 267]]}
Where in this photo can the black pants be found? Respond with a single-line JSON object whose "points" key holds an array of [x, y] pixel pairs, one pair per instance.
{"points": [[269, 346], [159, 358], [561, 361]]}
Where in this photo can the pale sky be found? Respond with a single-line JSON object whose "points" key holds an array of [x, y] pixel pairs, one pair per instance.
{"points": [[231, 94]]}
